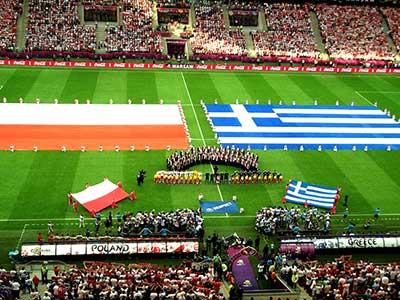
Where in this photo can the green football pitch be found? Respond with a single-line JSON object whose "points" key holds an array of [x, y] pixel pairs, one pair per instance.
{"points": [[34, 186]]}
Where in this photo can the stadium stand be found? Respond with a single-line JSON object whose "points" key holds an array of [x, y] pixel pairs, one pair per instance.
{"points": [[102, 280], [344, 279], [136, 34], [353, 32], [173, 4], [211, 39], [9, 12], [55, 26], [393, 17], [102, 2], [243, 5], [290, 33]]}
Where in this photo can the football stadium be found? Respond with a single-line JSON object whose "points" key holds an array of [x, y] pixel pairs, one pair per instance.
{"points": [[199, 149]]}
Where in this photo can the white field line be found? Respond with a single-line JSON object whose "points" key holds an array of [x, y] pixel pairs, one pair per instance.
{"points": [[30, 221], [215, 72], [381, 92], [200, 130], [366, 99], [21, 236], [202, 139], [194, 110]]}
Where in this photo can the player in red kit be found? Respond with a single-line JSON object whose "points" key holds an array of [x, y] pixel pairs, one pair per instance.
{"points": [[120, 184], [70, 198], [133, 196], [75, 206]]}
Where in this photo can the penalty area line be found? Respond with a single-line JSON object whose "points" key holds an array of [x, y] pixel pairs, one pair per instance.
{"points": [[366, 99]]}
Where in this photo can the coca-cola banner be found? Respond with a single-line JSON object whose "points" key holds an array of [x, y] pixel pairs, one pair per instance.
{"points": [[224, 67]]}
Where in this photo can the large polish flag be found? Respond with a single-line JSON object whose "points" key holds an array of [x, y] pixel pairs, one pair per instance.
{"points": [[51, 126], [100, 196]]}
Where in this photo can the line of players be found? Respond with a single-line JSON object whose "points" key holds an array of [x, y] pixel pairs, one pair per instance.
{"points": [[178, 177], [246, 177], [217, 155], [242, 177]]}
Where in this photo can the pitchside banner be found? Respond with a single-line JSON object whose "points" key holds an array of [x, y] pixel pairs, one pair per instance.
{"points": [[349, 242], [115, 65], [104, 248]]}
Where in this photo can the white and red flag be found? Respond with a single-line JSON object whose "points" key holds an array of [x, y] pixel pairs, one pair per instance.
{"points": [[52, 126], [100, 196]]}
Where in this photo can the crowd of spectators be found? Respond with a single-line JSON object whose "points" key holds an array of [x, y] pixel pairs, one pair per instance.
{"points": [[136, 33], [53, 25], [210, 36], [9, 12], [187, 222], [102, 2], [173, 3], [116, 281], [393, 18], [289, 32], [292, 221], [241, 158], [15, 283], [344, 279], [353, 32], [244, 6]]}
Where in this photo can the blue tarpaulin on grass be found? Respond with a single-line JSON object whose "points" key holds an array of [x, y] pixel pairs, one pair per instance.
{"points": [[217, 207]]}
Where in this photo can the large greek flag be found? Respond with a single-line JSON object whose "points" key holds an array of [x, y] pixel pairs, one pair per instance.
{"points": [[277, 126], [316, 195]]}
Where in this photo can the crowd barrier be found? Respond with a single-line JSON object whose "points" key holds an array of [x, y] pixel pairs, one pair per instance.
{"points": [[105, 247], [119, 65], [347, 242]]}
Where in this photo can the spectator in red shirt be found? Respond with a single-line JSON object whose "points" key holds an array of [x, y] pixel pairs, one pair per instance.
{"points": [[36, 281], [40, 238]]}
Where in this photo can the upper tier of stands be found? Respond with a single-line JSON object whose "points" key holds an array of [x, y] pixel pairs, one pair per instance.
{"points": [[9, 12], [353, 32], [136, 33], [393, 17], [102, 2], [349, 32], [53, 25], [289, 32], [210, 36]]}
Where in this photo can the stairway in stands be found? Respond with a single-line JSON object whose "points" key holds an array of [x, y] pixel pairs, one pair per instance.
{"points": [[226, 16], [317, 35], [21, 26], [249, 43], [100, 37], [262, 22], [386, 30]]}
